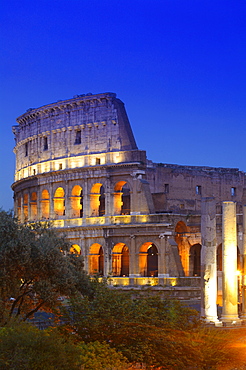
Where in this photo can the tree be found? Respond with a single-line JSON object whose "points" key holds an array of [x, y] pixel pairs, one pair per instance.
{"points": [[162, 334], [36, 268], [25, 347], [101, 356], [145, 330]]}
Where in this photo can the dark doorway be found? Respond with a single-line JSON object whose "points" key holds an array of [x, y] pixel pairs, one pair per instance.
{"points": [[125, 261], [101, 262], [195, 260], [152, 261], [102, 202]]}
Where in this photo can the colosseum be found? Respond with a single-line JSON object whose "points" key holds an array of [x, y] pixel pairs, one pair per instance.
{"points": [[136, 222]]}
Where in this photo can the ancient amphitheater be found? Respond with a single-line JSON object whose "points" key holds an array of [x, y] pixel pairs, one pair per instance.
{"points": [[139, 222]]}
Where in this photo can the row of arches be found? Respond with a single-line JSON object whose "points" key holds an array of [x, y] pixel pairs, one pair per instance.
{"points": [[120, 259], [147, 259], [32, 208]]}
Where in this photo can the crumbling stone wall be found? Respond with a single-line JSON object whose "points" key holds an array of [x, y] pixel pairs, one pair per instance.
{"points": [[78, 165]]}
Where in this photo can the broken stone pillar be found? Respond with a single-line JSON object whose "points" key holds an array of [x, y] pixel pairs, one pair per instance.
{"points": [[208, 261], [229, 264], [243, 313]]}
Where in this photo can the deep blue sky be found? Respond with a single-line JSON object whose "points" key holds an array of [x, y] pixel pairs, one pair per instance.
{"points": [[178, 65]]}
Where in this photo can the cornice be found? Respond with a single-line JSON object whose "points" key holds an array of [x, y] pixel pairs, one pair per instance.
{"points": [[53, 175], [65, 105]]}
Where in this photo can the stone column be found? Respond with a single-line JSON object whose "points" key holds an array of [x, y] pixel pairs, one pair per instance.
{"points": [[229, 263], [162, 257], [208, 261], [51, 192], [243, 315], [86, 254], [67, 201], [86, 199], [133, 195], [108, 196], [52, 143], [132, 259], [107, 257]]}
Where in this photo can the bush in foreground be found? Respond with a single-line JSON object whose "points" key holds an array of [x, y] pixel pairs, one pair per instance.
{"points": [[23, 347]]}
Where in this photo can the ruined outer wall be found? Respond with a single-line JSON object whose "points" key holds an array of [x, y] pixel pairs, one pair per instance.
{"points": [[75, 155], [70, 153], [84, 125], [180, 188]]}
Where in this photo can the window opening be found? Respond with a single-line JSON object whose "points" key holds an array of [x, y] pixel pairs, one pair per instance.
{"points": [[166, 188], [45, 143], [233, 192], [198, 190], [78, 137]]}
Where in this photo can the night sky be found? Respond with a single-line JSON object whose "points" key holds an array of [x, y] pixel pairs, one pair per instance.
{"points": [[178, 65]]}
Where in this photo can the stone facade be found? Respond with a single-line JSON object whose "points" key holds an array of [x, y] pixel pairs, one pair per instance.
{"points": [[139, 222]]}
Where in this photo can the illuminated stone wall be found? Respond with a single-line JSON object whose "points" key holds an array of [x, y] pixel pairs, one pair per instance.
{"points": [[181, 188], [73, 133], [78, 165]]}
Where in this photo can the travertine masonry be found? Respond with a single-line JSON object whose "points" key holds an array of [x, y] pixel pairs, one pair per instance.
{"points": [[139, 222]]}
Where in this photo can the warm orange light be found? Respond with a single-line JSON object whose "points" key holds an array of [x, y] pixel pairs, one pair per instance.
{"points": [[59, 201]]}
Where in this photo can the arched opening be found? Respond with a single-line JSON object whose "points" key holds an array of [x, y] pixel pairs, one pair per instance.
{"points": [[195, 260], [148, 260], [75, 249], [96, 260], [33, 206], [120, 260], [122, 199], [97, 200], [45, 204], [152, 261], [77, 201], [181, 228], [59, 202], [25, 207]]}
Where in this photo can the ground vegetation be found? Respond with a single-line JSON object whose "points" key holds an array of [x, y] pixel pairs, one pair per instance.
{"points": [[95, 326], [161, 334]]}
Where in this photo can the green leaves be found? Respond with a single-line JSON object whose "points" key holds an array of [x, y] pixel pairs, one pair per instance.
{"points": [[144, 329], [24, 347], [101, 356], [34, 271]]}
